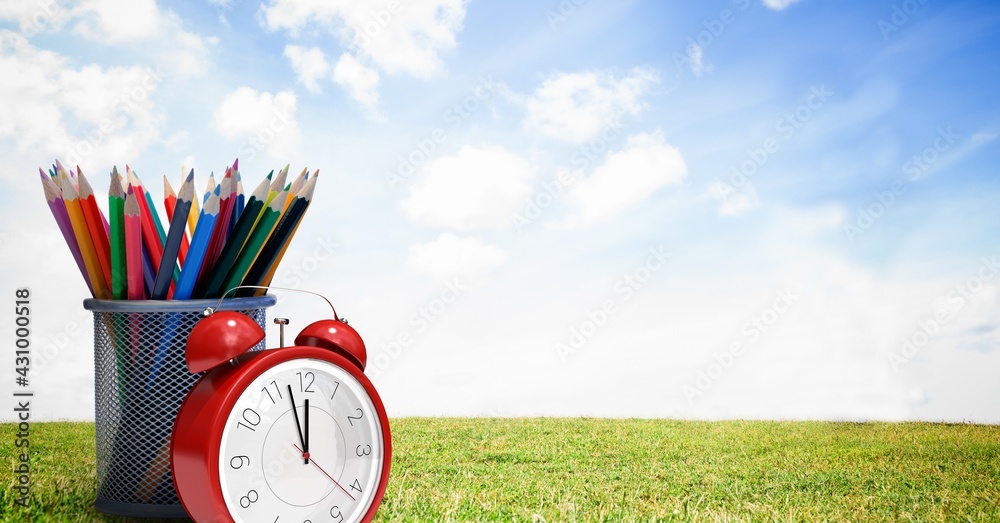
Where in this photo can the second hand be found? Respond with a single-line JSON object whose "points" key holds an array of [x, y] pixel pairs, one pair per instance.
{"points": [[313, 461]]}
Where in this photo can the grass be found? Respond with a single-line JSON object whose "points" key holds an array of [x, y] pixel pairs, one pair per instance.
{"points": [[546, 470]]}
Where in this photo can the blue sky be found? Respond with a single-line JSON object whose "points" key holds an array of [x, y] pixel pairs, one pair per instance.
{"points": [[721, 209]]}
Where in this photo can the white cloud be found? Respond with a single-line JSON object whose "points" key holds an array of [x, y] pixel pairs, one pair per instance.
{"points": [[476, 188], [778, 5], [309, 64], [160, 32], [626, 178], [360, 81], [117, 21], [450, 256], [733, 201], [92, 115], [398, 37], [263, 120], [575, 106], [33, 18]]}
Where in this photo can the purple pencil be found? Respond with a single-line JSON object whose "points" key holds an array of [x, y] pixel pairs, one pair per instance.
{"points": [[54, 198]]}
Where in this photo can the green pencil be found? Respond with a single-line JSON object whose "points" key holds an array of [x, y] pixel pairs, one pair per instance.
{"points": [[116, 225], [268, 219], [234, 245]]}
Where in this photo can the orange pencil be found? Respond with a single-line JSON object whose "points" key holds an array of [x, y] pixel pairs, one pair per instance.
{"points": [[72, 201]]}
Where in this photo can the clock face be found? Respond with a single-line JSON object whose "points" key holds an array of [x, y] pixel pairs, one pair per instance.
{"points": [[281, 462]]}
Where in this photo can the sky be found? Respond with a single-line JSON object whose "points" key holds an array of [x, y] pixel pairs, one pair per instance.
{"points": [[766, 209]]}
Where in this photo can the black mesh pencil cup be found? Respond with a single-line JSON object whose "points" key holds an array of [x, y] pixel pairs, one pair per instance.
{"points": [[141, 378]]}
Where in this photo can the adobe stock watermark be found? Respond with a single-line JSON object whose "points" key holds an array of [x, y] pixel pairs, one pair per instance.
{"points": [[127, 102], [297, 274], [581, 158], [562, 12], [952, 303], [419, 321], [47, 14], [898, 17], [48, 350], [752, 331], [378, 21], [785, 128], [281, 116], [624, 289], [915, 168], [702, 40], [454, 116]]}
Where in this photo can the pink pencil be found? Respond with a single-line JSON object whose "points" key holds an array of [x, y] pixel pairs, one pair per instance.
{"points": [[54, 198], [133, 247]]}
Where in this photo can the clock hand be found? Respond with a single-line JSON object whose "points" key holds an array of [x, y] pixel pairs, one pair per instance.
{"points": [[305, 443], [298, 427], [327, 475]]}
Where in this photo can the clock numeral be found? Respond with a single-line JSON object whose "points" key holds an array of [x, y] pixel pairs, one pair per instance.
{"points": [[249, 499], [239, 462], [360, 415], [251, 417], [362, 453], [336, 514], [310, 377], [335, 387], [356, 486], [276, 389]]}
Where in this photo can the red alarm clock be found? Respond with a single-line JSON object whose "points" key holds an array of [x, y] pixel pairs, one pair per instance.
{"points": [[289, 434]]}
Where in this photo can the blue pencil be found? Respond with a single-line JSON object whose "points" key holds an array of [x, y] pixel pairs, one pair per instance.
{"points": [[173, 244], [198, 248], [239, 204]]}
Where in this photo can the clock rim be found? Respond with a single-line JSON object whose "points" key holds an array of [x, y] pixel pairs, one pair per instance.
{"points": [[197, 434]]}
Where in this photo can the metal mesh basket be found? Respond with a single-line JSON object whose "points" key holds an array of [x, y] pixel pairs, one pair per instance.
{"points": [[141, 378]]}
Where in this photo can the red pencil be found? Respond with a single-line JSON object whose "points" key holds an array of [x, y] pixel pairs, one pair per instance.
{"points": [[220, 231], [96, 224], [150, 237], [133, 247]]}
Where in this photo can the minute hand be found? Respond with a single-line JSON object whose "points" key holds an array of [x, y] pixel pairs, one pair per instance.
{"points": [[298, 427]]}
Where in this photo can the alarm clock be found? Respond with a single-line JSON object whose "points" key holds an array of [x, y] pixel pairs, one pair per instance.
{"points": [[288, 434]]}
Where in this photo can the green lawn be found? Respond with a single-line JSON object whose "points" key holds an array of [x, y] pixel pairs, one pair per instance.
{"points": [[546, 469]]}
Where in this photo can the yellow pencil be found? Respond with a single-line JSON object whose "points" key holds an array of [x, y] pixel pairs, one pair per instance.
{"points": [[193, 215], [75, 212]]}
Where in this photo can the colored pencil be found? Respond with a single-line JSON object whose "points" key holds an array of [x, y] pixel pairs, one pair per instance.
{"points": [[221, 231], [265, 226], [170, 202], [96, 225], [116, 236], [150, 237], [277, 184], [53, 196], [83, 239], [195, 211], [199, 244], [244, 226], [172, 247], [264, 267], [296, 186], [133, 246], [239, 205], [209, 190]]}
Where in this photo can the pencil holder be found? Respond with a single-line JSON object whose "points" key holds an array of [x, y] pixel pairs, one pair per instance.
{"points": [[141, 378]]}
